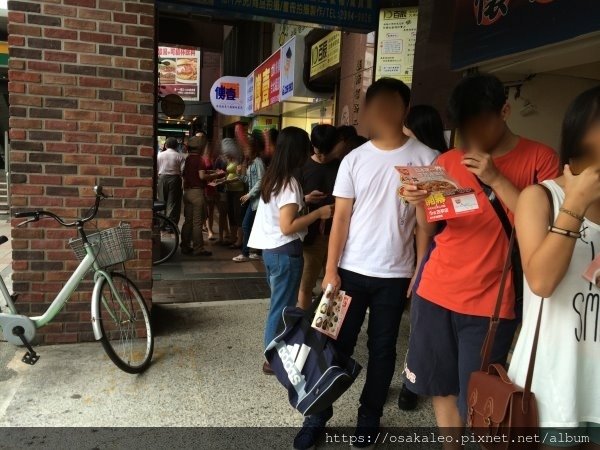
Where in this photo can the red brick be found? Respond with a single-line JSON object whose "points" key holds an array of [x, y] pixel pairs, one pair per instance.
{"points": [[63, 338], [109, 117], [71, 180], [125, 107], [40, 66], [112, 28], [79, 159], [124, 172], [60, 79], [95, 105], [127, 63], [41, 89], [80, 115], [16, 17], [77, 24], [140, 8], [79, 47], [58, 10], [99, 38], [125, 129], [127, 85], [94, 14], [16, 41], [29, 124], [59, 33], [94, 82], [45, 179], [63, 125], [97, 60], [94, 170], [27, 100], [16, 134], [24, 189], [125, 18], [16, 64], [134, 30], [111, 5], [125, 41], [96, 149], [147, 20], [71, 91], [61, 147], [110, 139], [29, 77], [85, 3], [97, 127], [25, 30], [17, 88], [110, 160], [60, 56], [139, 119], [80, 137]]}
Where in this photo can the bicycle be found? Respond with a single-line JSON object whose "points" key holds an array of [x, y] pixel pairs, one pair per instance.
{"points": [[120, 318], [169, 234]]}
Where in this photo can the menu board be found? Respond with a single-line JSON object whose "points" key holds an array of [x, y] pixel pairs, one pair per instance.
{"points": [[179, 72], [397, 38], [267, 82]]}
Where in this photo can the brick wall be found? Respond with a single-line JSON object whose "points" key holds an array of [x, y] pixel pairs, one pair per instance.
{"points": [[81, 83]]}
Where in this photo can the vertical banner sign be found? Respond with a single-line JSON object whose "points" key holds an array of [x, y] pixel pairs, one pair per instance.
{"points": [[180, 72], [396, 43], [267, 82], [325, 53], [249, 108], [288, 56], [228, 96]]}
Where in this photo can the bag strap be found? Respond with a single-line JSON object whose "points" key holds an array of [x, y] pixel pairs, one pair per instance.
{"points": [[529, 378], [488, 344], [498, 208]]}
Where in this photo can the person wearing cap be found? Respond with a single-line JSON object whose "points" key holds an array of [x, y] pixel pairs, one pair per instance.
{"points": [[235, 188], [195, 178]]}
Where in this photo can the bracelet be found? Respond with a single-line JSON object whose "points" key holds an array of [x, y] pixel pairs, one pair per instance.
{"points": [[572, 214], [563, 232]]}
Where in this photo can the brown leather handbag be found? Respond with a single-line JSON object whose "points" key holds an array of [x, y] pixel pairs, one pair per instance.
{"points": [[500, 414]]}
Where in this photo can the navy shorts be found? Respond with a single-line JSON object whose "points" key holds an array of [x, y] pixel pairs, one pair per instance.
{"points": [[445, 348]]}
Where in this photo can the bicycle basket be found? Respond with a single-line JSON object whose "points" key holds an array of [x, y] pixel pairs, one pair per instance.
{"points": [[113, 245]]}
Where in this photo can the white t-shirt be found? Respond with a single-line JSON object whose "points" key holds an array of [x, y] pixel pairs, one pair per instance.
{"points": [[566, 376], [266, 232], [380, 239]]}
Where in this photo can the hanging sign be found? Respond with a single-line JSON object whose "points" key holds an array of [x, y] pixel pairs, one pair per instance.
{"points": [[288, 56], [267, 82], [228, 96], [325, 53]]}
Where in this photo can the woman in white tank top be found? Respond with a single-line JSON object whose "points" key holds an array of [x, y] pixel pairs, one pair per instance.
{"points": [[566, 380]]}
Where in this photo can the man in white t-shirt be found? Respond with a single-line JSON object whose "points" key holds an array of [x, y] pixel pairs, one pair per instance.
{"points": [[371, 251]]}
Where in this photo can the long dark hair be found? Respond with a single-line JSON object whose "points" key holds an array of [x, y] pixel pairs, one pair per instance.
{"points": [[584, 110], [291, 152], [426, 124]]}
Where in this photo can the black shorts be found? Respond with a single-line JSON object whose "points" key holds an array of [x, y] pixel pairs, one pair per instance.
{"points": [[445, 348]]}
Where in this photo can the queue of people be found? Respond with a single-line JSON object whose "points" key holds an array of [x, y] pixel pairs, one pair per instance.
{"points": [[324, 206]]}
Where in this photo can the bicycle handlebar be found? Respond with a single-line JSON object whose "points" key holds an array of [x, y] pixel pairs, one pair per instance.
{"points": [[36, 215]]}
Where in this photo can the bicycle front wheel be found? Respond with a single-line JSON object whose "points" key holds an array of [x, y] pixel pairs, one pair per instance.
{"points": [[125, 324], [169, 239]]}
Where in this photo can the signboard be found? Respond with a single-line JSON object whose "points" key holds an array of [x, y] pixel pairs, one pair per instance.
{"points": [[397, 38], [288, 63], [180, 72], [267, 82], [228, 96], [249, 100], [351, 15], [489, 29], [325, 53]]}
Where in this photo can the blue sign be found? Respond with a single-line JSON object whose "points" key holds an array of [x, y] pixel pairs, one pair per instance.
{"points": [[489, 29], [351, 15]]}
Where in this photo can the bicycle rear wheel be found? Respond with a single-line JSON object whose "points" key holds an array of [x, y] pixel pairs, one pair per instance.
{"points": [[169, 239], [127, 335]]}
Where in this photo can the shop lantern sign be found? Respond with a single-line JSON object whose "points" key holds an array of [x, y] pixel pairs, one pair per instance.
{"points": [[228, 96]]}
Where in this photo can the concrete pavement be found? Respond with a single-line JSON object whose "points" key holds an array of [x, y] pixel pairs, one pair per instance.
{"points": [[205, 373]]}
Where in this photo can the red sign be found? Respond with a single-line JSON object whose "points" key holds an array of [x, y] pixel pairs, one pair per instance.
{"points": [[267, 84]]}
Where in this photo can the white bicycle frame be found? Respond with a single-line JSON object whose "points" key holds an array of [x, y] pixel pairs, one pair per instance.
{"points": [[89, 261]]}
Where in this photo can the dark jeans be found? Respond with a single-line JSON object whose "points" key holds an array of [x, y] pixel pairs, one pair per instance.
{"points": [[385, 298], [247, 223], [170, 191]]}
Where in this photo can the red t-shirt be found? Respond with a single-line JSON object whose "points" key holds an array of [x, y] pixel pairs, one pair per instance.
{"points": [[191, 177], [464, 270]]}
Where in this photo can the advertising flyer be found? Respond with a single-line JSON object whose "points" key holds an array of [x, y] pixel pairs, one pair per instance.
{"points": [[331, 312], [179, 72], [447, 200]]}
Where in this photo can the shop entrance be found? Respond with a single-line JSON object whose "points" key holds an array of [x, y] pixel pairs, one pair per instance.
{"points": [[227, 45]]}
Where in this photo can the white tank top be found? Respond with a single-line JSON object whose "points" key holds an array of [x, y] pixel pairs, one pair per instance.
{"points": [[566, 379]]}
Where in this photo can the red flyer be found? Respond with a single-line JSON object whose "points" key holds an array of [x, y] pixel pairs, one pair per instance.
{"points": [[447, 200]]}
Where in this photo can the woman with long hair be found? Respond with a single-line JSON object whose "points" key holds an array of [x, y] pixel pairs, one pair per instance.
{"points": [[279, 228], [558, 228], [425, 124]]}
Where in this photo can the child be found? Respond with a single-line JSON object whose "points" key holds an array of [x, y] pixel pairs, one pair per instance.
{"points": [[567, 368], [279, 228]]}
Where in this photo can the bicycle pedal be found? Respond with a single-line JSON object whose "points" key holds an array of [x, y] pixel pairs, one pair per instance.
{"points": [[30, 358]]}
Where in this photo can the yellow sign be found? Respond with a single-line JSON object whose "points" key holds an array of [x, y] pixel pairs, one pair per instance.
{"points": [[325, 53], [396, 43]]}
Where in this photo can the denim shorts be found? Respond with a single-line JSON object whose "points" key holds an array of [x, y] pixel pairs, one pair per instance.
{"points": [[445, 348]]}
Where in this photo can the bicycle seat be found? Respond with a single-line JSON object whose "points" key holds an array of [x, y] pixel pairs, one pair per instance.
{"points": [[3, 240], [159, 206]]}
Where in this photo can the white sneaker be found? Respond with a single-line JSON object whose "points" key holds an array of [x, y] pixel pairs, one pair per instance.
{"points": [[255, 257], [241, 258]]}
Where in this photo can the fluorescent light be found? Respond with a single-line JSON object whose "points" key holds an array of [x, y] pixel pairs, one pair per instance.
{"points": [[3, 4]]}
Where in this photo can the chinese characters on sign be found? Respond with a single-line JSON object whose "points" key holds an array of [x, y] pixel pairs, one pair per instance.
{"points": [[227, 96], [358, 81], [288, 62], [325, 53], [396, 43], [267, 82], [488, 12], [179, 72]]}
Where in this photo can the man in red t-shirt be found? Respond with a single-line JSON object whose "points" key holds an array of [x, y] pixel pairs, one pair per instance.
{"points": [[195, 178], [460, 281]]}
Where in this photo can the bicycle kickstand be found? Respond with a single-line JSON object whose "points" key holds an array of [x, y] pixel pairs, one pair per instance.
{"points": [[31, 357]]}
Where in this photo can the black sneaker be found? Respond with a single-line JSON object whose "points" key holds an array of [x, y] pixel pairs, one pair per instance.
{"points": [[366, 433], [407, 400], [312, 429]]}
